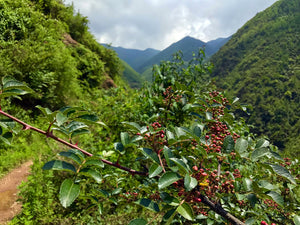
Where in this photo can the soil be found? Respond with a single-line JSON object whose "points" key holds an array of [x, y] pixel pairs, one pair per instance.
{"points": [[9, 207]]}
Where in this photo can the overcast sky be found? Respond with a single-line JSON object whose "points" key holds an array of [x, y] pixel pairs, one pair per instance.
{"points": [[142, 24]]}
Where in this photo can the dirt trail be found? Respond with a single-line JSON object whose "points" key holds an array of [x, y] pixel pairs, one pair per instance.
{"points": [[9, 207]]}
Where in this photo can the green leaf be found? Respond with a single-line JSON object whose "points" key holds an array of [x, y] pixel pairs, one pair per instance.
{"points": [[94, 162], [168, 154], [92, 173], [148, 204], [281, 171], [169, 199], [296, 219], [119, 147], [197, 129], [74, 125], [138, 221], [60, 119], [252, 199], [5, 140], [276, 197], [69, 191], [182, 165], [167, 179], [180, 132], [71, 155], [262, 143], [133, 125], [150, 154], [228, 144], [186, 211], [168, 217], [258, 153], [59, 165], [125, 138], [87, 118], [241, 146], [79, 132], [266, 185], [208, 115], [250, 221], [155, 170], [189, 182], [10, 83], [247, 184]]}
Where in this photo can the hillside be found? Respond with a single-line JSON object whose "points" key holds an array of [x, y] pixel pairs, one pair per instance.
{"points": [[260, 64], [48, 45]]}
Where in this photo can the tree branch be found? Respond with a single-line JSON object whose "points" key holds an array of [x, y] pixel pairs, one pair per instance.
{"points": [[51, 135]]}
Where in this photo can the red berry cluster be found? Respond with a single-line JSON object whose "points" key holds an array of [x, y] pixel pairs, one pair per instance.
{"points": [[169, 96], [270, 203], [265, 223], [156, 138]]}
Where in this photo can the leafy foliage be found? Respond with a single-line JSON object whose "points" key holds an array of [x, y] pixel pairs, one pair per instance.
{"points": [[260, 65]]}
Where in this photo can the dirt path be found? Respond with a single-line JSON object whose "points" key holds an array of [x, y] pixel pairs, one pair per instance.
{"points": [[9, 192]]}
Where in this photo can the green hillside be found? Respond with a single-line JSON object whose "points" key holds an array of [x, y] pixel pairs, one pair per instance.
{"points": [[260, 64], [47, 45], [133, 78]]}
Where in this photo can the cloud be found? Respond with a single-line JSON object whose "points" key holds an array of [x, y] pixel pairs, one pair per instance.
{"points": [[158, 23]]}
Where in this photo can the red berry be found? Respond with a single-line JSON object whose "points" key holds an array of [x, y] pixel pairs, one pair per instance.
{"points": [[263, 223], [195, 168], [206, 137]]}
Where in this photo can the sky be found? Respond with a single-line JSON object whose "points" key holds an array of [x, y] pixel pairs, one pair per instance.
{"points": [[142, 24]]}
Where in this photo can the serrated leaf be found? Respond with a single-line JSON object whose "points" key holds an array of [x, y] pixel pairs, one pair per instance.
{"points": [[241, 146], [180, 132], [182, 165], [71, 155], [138, 221], [281, 171], [150, 154], [92, 173], [87, 118], [69, 191], [262, 143], [276, 197], [167, 179], [79, 153], [59, 165], [79, 132], [74, 125], [186, 211], [133, 125], [228, 144], [60, 119], [147, 203], [258, 153], [155, 170], [125, 138], [94, 162], [189, 182]]}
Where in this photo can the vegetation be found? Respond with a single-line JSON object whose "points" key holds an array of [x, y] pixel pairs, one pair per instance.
{"points": [[185, 158], [171, 153], [260, 65]]}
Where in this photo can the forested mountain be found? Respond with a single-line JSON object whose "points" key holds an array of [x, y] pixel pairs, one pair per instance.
{"points": [[143, 60], [134, 57], [47, 45], [260, 65]]}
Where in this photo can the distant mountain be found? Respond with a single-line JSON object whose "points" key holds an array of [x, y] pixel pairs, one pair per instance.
{"points": [[134, 57], [143, 60], [260, 64]]}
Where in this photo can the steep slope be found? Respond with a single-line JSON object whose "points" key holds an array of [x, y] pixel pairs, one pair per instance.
{"points": [[260, 64], [47, 45], [133, 78]]}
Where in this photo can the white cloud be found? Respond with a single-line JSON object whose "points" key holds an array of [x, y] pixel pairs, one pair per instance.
{"points": [[158, 23]]}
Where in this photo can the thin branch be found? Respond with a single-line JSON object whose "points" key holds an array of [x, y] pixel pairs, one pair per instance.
{"points": [[51, 135], [219, 210]]}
